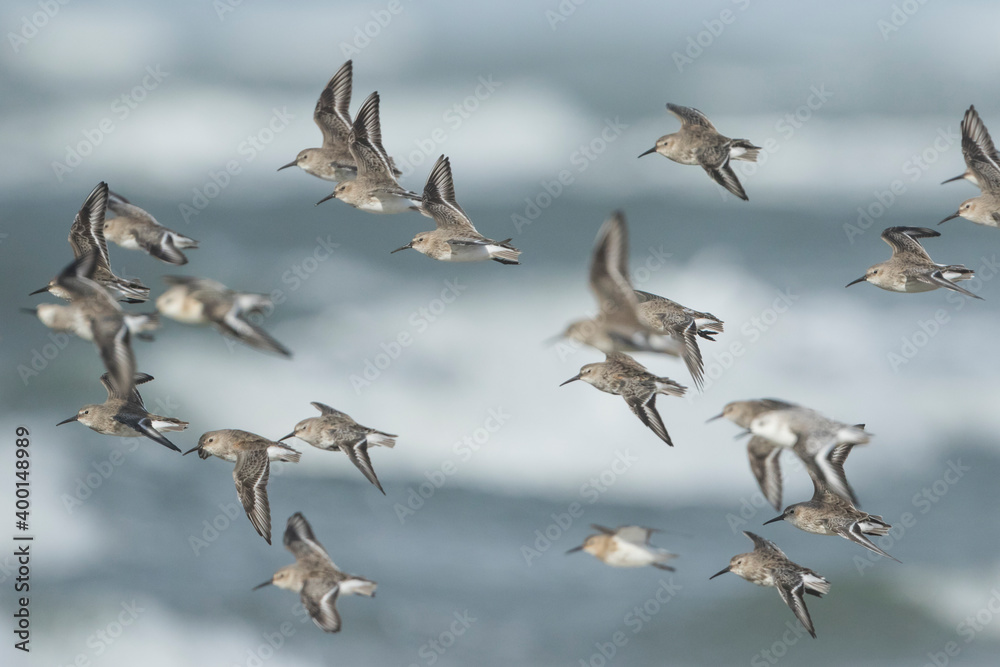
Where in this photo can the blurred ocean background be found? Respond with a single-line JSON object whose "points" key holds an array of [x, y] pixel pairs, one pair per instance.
{"points": [[143, 557]]}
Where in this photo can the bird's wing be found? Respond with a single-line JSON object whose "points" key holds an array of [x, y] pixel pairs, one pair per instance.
{"points": [[251, 474], [332, 114], [690, 116]]}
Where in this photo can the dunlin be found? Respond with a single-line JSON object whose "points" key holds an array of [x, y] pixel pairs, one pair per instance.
{"points": [[910, 269], [829, 514], [767, 565], [682, 324], [124, 415], [977, 148], [314, 576], [698, 142], [86, 237], [135, 229], [823, 444], [627, 546], [253, 455], [375, 189], [201, 301], [623, 376], [334, 430], [69, 318], [455, 239]]}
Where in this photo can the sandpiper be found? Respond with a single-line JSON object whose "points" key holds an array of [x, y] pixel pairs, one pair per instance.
{"points": [[767, 565], [201, 301], [627, 546], [375, 188], [86, 237], [622, 375], [135, 229], [910, 269], [977, 148], [617, 327], [334, 430], [69, 318], [823, 444], [95, 314], [314, 576], [698, 142], [253, 455], [124, 415], [682, 324], [455, 239], [764, 455], [829, 514]]}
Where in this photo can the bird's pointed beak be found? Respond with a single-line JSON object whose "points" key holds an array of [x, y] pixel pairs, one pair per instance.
{"points": [[957, 178], [290, 435], [719, 572], [408, 245], [859, 280], [39, 291], [780, 517], [712, 419], [572, 379], [191, 450], [575, 549], [330, 196], [950, 217], [71, 419], [259, 586], [742, 434], [30, 311], [651, 150], [290, 164]]}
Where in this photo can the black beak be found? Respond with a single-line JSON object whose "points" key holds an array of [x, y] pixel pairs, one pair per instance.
{"points": [[718, 573], [777, 518], [742, 434], [651, 150], [950, 217], [193, 450], [712, 419], [290, 164], [290, 435], [30, 311], [66, 421], [259, 586], [572, 379], [408, 245], [39, 291], [863, 278], [330, 196], [575, 549], [957, 178]]}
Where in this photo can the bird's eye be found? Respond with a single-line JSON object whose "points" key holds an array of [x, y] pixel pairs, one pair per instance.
{"points": [[86, 412], [791, 511], [211, 440]]}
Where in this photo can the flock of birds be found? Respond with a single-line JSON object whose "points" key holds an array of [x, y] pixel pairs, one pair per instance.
{"points": [[628, 321]]}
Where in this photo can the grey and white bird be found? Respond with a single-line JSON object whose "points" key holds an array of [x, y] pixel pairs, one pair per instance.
{"points": [[623, 376], [767, 565], [829, 514], [124, 415], [626, 546], [455, 239], [910, 269], [977, 148], [314, 576], [375, 188], [86, 237], [201, 301], [334, 430], [252, 455], [699, 143], [983, 169], [670, 318], [135, 229]]}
